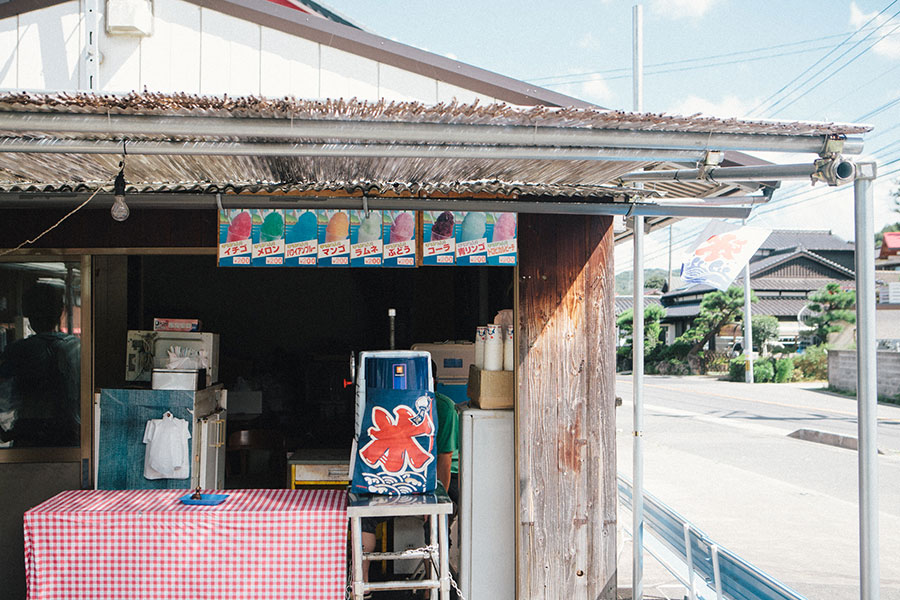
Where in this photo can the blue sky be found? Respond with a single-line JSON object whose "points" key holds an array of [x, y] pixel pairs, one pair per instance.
{"points": [[796, 60]]}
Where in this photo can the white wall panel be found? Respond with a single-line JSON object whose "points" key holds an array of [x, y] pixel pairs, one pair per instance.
{"points": [[120, 65], [9, 40], [229, 55], [397, 84], [346, 75], [170, 58], [50, 47], [447, 92], [289, 66]]}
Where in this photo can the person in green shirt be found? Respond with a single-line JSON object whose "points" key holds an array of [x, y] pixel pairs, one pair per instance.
{"points": [[447, 445]]}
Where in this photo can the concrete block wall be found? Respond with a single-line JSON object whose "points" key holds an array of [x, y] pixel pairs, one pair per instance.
{"points": [[842, 371]]}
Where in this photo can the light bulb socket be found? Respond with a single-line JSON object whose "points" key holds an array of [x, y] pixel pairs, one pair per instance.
{"points": [[119, 210]]}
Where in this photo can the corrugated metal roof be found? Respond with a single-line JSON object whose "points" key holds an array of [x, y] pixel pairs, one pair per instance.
{"points": [[401, 176]]}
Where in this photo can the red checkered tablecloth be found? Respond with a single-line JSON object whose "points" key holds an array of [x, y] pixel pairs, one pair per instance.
{"points": [[147, 545]]}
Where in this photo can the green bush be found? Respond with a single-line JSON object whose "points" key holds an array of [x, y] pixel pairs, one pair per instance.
{"points": [[813, 363], [763, 370], [784, 370], [736, 369]]}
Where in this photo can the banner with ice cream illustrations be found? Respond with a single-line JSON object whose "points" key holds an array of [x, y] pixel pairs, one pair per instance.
{"points": [[366, 245], [235, 243], [268, 237], [721, 253], [501, 231], [399, 230], [301, 237], [334, 238], [359, 238], [439, 237]]}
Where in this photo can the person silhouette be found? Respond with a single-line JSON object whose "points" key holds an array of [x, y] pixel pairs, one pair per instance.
{"points": [[40, 376]]}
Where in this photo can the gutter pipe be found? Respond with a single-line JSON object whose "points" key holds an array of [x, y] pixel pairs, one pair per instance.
{"points": [[185, 200], [118, 126]]}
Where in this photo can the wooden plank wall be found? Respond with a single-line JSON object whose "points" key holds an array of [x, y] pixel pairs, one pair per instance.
{"points": [[565, 409]]}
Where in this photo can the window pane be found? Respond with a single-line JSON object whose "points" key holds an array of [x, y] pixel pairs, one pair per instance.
{"points": [[40, 354]]}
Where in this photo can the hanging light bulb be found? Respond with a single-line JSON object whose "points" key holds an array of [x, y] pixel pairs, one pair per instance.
{"points": [[119, 210]]}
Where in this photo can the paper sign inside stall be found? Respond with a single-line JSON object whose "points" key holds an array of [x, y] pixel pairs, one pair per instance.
{"points": [[366, 245], [439, 237], [334, 238], [235, 243], [502, 247], [268, 237], [301, 237], [399, 232]]}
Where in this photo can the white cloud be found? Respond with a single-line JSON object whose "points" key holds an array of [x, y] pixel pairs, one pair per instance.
{"points": [[729, 106], [588, 42], [682, 9], [592, 88], [889, 47]]}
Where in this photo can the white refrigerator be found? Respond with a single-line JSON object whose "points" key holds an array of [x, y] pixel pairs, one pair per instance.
{"points": [[487, 515]]}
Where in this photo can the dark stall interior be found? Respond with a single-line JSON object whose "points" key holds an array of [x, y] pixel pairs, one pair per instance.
{"points": [[289, 333]]}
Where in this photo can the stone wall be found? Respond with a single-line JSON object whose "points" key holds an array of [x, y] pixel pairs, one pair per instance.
{"points": [[842, 372]]}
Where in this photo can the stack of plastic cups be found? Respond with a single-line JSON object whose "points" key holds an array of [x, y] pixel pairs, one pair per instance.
{"points": [[480, 336], [493, 348], [509, 349]]}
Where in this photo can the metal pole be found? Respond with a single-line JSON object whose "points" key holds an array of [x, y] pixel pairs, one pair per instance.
{"points": [[669, 272], [335, 131], [866, 381], [637, 65], [637, 341], [637, 353], [748, 325]]}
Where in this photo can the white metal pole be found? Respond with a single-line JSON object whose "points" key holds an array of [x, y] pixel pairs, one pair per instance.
{"points": [[866, 381], [669, 272], [637, 354], [637, 340], [748, 325], [638, 58]]}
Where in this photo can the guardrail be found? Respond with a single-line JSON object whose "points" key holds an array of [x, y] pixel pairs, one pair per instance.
{"points": [[706, 569]]}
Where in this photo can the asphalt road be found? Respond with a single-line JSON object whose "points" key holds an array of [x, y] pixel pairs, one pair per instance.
{"points": [[719, 454]]}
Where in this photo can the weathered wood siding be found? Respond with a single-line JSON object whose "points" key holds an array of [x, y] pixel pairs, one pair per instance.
{"points": [[565, 412]]}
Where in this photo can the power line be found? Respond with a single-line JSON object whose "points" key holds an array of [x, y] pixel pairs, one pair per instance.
{"points": [[812, 66], [706, 65], [701, 59], [839, 69]]}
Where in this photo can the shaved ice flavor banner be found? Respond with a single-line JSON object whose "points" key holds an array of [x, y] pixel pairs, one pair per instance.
{"points": [[366, 238], [399, 230], [334, 238], [486, 238], [359, 238], [301, 238]]}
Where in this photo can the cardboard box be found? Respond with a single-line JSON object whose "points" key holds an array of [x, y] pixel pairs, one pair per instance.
{"points": [[491, 389]]}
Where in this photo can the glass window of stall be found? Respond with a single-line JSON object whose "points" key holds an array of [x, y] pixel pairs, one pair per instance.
{"points": [[40, 355]]}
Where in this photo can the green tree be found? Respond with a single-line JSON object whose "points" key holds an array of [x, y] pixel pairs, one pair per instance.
{"points": [[717, 309], [655, 282], [653, 314], [830, 307], [765, 328]]}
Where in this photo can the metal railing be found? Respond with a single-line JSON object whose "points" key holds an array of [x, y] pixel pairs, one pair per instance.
{"points": [[706, 569]]}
